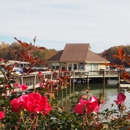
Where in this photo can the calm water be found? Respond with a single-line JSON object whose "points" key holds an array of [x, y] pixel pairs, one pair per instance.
{"points": [[110, 93]]}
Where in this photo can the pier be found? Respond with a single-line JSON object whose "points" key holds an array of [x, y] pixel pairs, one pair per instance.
{"points": [[32, 79]]}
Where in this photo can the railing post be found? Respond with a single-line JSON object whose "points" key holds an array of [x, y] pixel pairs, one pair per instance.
{"points": [[34, 83], [73, 77], [87, 80], [51, 76], [21, 80], [62, 97], [66, 95]]}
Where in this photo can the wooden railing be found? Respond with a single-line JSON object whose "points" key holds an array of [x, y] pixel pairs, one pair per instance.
{"points": [[32, 80], [84, 74]]}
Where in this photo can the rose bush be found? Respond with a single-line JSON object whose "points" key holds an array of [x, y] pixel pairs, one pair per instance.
{"points": [[40, 109], [32, 102]]}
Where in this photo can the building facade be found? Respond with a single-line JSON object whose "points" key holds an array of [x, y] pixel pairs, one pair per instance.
{"points": [[77, 56]]}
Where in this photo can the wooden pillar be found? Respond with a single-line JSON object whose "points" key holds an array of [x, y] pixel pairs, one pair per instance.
{"points": [[104, 83], [21, 80], [81, 78], [119, 73], [66, 95], [51, 76], [73, 77], [70, 91], [73, 89], [87, 80], [34, 83], [62, 97], [70, 81]]}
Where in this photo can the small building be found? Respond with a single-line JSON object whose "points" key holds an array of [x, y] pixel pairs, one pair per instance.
{"points": [[77, 57]]}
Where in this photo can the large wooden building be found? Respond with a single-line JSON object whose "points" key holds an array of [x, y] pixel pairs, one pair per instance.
{"points": [[77, 57]]}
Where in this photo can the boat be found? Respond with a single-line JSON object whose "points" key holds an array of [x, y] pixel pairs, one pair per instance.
{"points": [[112, 82], [124, 86]]}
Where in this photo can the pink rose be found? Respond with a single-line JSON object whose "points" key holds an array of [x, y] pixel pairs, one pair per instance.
{"points": [[15, 84], [1, 115], [22, 87], [38, 103], [88, 106], [40, 74], [15, 105], [120, 98], [7, 86], [33, 102], [42, 85]]}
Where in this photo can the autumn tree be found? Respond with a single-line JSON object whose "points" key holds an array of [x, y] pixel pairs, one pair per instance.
{"points": [[12, 52], [4, 50]]}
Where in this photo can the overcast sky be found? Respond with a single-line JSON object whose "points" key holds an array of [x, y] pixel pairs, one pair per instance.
{"points": [[102, 23]]}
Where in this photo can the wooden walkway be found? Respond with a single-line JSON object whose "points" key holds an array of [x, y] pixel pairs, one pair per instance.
{"points": [[93, 74], [32, 80]]}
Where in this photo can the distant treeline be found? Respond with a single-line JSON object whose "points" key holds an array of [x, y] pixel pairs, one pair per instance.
{"points": [[108, 54], [12, 51]]}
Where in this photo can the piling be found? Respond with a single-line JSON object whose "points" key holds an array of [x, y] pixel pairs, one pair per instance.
{"points": [[119, 80], [104, 83]]}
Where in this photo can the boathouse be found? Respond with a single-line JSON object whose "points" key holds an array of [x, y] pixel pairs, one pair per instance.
{"points": [[77, 56]]}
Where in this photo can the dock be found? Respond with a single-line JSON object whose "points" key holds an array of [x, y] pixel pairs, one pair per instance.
{"points": [[32, 80]]}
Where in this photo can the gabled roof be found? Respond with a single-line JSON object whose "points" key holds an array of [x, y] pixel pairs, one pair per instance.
{"points": [[79, 52]]}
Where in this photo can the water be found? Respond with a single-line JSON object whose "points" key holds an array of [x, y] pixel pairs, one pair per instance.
{"points": [[110, 94]]}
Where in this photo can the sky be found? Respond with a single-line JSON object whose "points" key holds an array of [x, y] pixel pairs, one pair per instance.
{"points": [[101, 23]]}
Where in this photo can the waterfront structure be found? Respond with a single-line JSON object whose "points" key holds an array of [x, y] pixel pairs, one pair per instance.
{"points": [[20, 64], [77, 56]]}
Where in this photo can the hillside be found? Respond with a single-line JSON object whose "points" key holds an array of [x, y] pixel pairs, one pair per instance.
{"points": [[108, 54]]}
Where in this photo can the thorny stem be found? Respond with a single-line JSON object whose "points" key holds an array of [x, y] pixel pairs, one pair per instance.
{"points": [[34, 122], [93, 119], [85, 119]]}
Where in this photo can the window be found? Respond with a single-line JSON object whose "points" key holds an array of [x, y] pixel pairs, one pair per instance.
{"points": [[89, 66], [75, 66], [95, 66], [70, 67], [81, 66], [53, 67], [57, 67]]}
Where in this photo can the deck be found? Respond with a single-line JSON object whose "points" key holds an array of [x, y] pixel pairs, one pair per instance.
{"points": [[32, 80], [93, 74]]}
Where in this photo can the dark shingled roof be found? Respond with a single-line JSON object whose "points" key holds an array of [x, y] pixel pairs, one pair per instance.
{"points": [[77, 52]]}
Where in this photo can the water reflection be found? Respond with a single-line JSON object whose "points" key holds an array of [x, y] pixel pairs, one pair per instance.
{"points": [[110, 93]]}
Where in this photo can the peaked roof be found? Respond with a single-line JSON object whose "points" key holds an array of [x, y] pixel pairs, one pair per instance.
{"points": [[79, 52], [74, 52]]}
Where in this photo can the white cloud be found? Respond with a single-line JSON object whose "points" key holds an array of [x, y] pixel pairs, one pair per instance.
{"points": [[56, 22]]}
